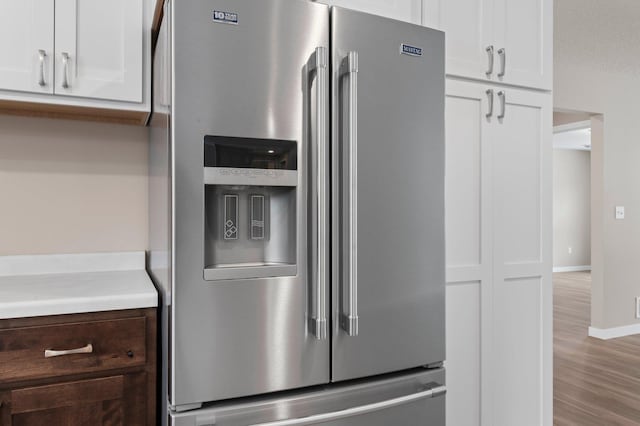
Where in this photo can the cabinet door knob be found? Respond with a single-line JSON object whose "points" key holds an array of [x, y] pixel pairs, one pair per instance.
{"points": [[65, 70], [130, 354], [489, 50], [503, 62], [503, 103], [489, 93], [41, 58]]}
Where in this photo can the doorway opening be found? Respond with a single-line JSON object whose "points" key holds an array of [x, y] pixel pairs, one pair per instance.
{"points": [[580, 361], [571, 192]]}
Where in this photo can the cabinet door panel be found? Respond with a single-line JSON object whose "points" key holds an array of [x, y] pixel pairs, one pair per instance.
{"points": [[402, 10], [468, 24], [463, 354], [518, 178], [521, 148], [104, 46], [463, 188], [518, 345], [524, 28], [26, 28]]}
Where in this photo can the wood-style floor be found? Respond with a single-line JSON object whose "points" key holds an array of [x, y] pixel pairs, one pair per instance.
{"points": [[596, 382]]}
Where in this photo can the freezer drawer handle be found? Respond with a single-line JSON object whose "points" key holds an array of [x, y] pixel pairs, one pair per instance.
{"points": [[49, 353], [363, 409], [318, 63], [349, 319]]}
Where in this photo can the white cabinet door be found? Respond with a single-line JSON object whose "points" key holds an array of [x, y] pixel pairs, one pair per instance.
{"points": [[522, 293], [469, 33], [403, 10], [518, 32], [99, 49], [26, 45], [524, 30], [469, 250]]}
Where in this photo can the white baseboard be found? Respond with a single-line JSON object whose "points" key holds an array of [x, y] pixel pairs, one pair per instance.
{"points": [[612, 333], [571, 268]]}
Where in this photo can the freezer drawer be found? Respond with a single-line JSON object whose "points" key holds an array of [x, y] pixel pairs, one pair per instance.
{"points": [[409, 399]]}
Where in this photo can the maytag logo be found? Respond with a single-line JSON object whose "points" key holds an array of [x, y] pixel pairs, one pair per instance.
{"points": [[410, 50], [225, 17]]}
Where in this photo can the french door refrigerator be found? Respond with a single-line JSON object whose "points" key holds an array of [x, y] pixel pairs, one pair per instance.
{"points": [[297, 215]]}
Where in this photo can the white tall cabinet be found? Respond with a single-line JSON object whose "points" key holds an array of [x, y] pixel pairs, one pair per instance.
{"points": [[498, 210]]}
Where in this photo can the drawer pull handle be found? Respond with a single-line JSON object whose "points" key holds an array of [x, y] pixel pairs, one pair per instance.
{"points": [[49, 353]]}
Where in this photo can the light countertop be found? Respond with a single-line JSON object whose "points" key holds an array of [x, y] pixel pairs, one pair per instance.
{"points": [[68, 284]]}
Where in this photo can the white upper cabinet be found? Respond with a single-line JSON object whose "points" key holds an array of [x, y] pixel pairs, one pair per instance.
{"points": [[524, 30], [26, 45], [402, 10], [99, 49], [504, 41], [469, 30], [77, 58]]}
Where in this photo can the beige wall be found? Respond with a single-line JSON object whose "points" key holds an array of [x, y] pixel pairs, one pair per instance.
{"points": [[571, 208], [597, 221], [560, 117], [597, 68], [71, 187]]}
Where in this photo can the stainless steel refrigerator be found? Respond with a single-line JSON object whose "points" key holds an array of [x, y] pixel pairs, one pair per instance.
{"points": [[297, 215]]}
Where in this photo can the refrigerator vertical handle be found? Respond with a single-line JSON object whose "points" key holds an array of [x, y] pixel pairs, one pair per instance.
{"points": [[318, 63], [349, 319]]}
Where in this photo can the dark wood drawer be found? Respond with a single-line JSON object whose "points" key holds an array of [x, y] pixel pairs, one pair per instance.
{"points": [[115, 344], [109, 401]]}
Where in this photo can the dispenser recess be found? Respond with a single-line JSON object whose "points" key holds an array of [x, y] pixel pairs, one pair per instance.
{"points": [[250, 190]]}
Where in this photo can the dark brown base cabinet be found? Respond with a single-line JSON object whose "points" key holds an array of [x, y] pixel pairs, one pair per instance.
{"points": [[109, 378]]}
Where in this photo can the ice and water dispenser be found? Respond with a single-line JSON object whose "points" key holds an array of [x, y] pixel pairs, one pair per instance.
{"points": [[250, 208]]}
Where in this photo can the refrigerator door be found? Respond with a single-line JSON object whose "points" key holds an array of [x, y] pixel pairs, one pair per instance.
{"points": [[388, 195], [417, 398], [249, 72]]}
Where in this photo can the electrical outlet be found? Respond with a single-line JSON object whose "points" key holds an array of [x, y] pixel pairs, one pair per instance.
{"points": [[619, 212], [570, 250], [638, 307]]}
